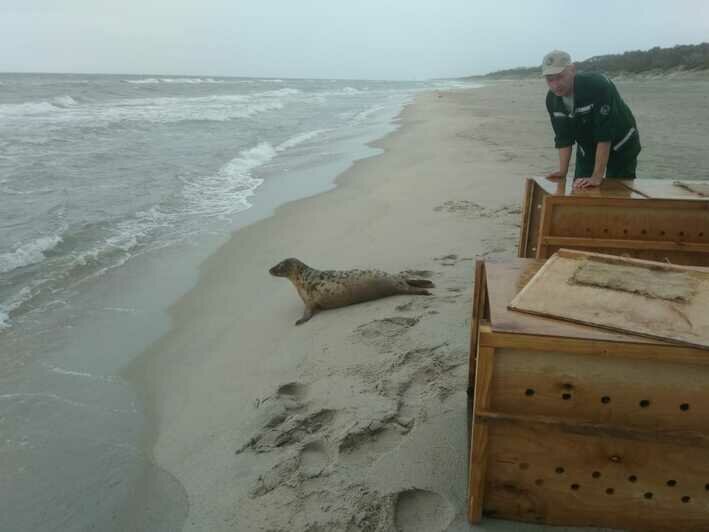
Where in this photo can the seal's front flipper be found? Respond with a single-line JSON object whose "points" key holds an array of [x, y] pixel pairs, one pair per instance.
{"points": [[307, 314], [420, 283]]}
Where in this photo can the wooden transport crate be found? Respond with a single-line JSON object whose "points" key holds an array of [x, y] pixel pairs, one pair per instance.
{"points": [[578, 426], [643, 218]]}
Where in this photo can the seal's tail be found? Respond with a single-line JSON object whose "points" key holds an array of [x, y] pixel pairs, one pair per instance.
{"points": [[420, 283]]}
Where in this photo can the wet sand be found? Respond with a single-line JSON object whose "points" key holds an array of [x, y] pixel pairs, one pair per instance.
{"points": [[356, 420]]}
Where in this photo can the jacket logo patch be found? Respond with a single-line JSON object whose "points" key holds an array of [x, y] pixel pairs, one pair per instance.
{"points": [[605, 109]]}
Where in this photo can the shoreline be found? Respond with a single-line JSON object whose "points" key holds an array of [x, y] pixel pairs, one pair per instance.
{"points": [[150, 368], [357, 419]]}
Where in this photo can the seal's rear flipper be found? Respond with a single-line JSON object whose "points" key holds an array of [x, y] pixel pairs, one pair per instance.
{"points": [[420, 283]]}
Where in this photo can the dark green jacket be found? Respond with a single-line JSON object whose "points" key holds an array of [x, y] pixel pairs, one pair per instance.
{"points": [[599, 115]]}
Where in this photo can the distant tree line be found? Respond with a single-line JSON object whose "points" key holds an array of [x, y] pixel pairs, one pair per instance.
{"points": [[685, 57]]}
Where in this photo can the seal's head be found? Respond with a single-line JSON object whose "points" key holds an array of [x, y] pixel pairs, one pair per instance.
{"points": [[287, 268]]}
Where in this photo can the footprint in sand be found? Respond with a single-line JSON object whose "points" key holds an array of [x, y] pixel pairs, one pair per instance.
{"points": [[373, 440], [287, 430], [313, 459], [467, 208], [387, 327], [447, 260], [292, 395], [418, 510]]}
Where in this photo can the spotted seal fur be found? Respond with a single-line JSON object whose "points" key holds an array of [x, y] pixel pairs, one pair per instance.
{"points": [[321, 290]]}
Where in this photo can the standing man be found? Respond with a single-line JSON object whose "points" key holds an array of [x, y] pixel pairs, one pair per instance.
{"points": [[587, 109]]}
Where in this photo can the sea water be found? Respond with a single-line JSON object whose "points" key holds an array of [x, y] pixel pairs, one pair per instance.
{"points": [[114, 188]]}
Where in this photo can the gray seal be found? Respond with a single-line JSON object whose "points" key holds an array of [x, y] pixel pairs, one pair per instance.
{"points": [[322, 290]]}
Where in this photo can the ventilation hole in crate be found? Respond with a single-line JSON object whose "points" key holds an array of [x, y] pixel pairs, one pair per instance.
{"points": [[686, 499], [524, 466], [615, 459], [559, 470], [662, 233], [529, 392], [644, 231], [596, 474], [575, 487], [605, 399], [648, 495], [681, 233], [706, 487], [644, 403], [610, 491], [632, 478], [625, 231], [539, 482], [671, 483], [605, 230], [684, 407], [588, 229], [566, 396], [700, 234]]}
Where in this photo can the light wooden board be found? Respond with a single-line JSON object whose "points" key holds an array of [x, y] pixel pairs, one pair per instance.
{"points": [[545, 473], [701, 188], [552, 293]]}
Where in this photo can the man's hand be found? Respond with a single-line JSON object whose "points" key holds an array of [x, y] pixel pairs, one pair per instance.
{"points": [[556, 175], [587, 182]]}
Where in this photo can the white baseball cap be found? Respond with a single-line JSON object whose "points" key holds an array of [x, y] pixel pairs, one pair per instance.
{"points": [[555, 62]]}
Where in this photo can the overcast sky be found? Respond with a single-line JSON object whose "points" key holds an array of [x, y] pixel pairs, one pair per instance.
{"points": [[371, 39]]}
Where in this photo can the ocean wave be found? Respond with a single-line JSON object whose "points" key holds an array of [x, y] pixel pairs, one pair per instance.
{"points": [[64, 101], [227, 192], [71, 373], [167, 109], [299, 139], [10, 110], [153, 81], [13, 303], [29, 253]]}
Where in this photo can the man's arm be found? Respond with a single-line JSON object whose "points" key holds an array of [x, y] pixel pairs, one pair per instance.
{"points": [[603, 150], [564, 159]]}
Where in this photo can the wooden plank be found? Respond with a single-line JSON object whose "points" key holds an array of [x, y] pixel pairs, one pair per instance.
{"points": [[601, 430], [477, 466], [642, 393], [505, 279], [552, 294], [531, 218], [665, 189], [479, 299], [620, 347], [609, 188], [544, 224], [541, 474], [627, 261], [699, 188], [527, 206], [654, 245]]}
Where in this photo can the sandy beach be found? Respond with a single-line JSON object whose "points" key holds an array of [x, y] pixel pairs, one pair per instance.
{"points": [[357, 420]]}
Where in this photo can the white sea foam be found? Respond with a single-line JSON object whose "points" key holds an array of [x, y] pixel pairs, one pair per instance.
{"points": [[153, 81], [29, 253], [64, 101], [70, 373], [25, 294], [166, 109], [300, 139], [227, 191], [10, 110]]}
